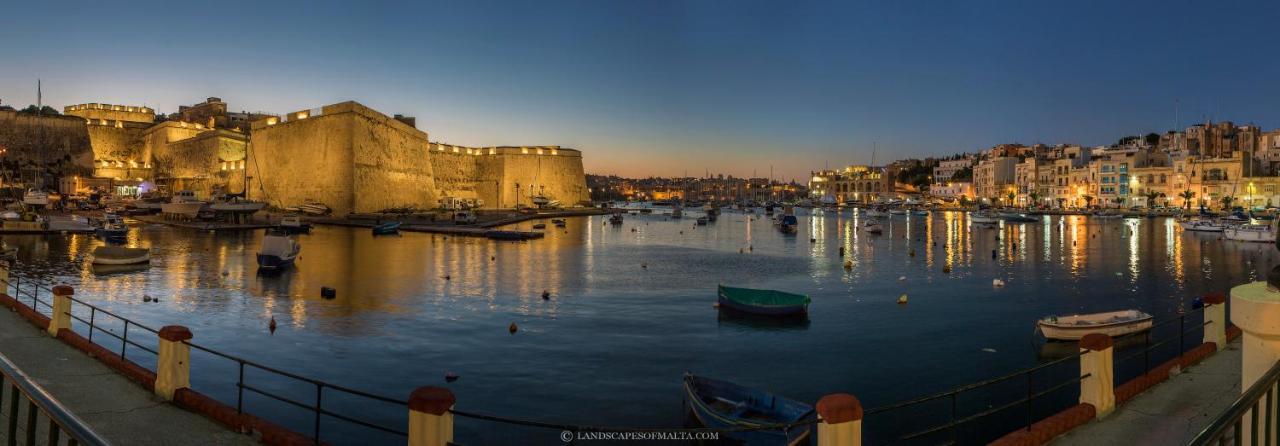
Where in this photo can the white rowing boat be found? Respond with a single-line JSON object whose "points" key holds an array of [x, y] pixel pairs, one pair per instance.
{"points": [[117, 255], [1111, 323], [1250, 233]]}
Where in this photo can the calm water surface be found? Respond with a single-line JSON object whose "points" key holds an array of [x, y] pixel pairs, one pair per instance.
{"points": [[631, 310]]}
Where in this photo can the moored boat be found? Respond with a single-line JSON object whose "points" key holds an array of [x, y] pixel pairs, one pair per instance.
{"points": [[765, 302], [315, 208], [984, 217], [1250, 233], [112, 227], [294, 225], [615, 219], [278, 250], [183, 204], [119, 255], [388, 228], [35, 197], [721, 404], [1111, 323], [873, 227], [1201, 226], [701, 221], [237, 205], [1016, 217], [877, 212]]}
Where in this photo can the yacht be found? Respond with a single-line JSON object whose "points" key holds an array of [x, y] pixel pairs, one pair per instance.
{"points": [[237, 204], [1202, 226], [1250, 233], [35, 197]]}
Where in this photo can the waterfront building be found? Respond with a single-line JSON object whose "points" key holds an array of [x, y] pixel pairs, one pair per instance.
{"points": [[993, 178], [953, 190], [947, 168]]}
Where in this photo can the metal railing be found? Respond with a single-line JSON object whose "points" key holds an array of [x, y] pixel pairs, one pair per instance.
{"points": [[956, 420], [1260, 398], [58, 419], [1149, 347]]}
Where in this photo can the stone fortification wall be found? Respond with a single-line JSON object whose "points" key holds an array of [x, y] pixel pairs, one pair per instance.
{"points": [[117, 141], [208, 163], [555, 172], [389, 161], [47, 146], [304, 159], [111, 112]]}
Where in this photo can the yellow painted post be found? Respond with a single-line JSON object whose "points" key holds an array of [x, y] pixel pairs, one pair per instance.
{"points": [[4, 276], [1256, 310], [173, 367], [1215, 314], [430, 422], [841, 420], [61, 313], [1097, 361]]}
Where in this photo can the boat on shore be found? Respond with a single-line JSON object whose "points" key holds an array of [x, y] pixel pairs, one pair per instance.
{"points": [[721, 404], [278, 251], [183, 204], [388, 228], [763, 302], [237, 205], [312, 207], [701, 221], [35, 197], [1250, 233], [294, 225], [119, 255], [1111, 323], [1202, 226]]}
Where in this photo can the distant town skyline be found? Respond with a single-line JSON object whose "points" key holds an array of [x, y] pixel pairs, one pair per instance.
{"points": [[664, 88]]}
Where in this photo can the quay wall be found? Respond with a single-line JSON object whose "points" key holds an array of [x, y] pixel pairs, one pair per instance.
{"points": [[305, 159], [492, 174], [389, 161]]}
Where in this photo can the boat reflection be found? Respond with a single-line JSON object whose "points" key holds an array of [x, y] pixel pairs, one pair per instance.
{"points": [[116, 270], [734, 318], [1051, 350]]}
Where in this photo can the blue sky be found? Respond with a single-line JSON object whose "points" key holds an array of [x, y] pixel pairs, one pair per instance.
{"points": [[663, 87]]}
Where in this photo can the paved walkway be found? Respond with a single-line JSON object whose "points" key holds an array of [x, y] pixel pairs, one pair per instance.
{"points": [[1172, 412], [119, 410]]}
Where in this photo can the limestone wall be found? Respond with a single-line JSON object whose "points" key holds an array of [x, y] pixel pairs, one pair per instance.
{"points": [[207, 163], [156, 138], [111, 112], [117, 142], [43, 147], [307, 159], [558, 177], [389, 159]]}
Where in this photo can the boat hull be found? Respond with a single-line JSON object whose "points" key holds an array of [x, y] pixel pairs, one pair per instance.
{"points": [[1066, 331], [769, 310], [249, 207], [708, 400], [270, 261], [188, 209], [144, 258], [1249, 235]]}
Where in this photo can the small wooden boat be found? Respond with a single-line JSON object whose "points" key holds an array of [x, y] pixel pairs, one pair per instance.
{"points": [[874, 227], [559, 222], [113, 227], [1106, 216], [721, 404], [539, 226], [701, 221], [315, 208], [1250, 233], [388, 228], [119, 255], [1017, 217], [1111, 323], [898, 211], [877, 212], [615, 219], [507, 235], [764, 302]]}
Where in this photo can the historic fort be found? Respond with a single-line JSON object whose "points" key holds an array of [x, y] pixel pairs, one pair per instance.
{"points": [[347, 156]]}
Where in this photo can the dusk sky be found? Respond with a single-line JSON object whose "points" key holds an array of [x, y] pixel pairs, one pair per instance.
{"points": [[663, 87]]}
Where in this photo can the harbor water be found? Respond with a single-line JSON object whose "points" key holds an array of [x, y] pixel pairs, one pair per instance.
{"points": [[630, 310]]}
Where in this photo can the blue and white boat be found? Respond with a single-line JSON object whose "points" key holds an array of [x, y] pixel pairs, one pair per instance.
{"points": [[721, 404], [278, 250], [387, 228]]}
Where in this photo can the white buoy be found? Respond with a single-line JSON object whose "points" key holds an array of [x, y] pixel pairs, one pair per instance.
{"points": [[997, 283], [902, 278], [902, 299]]}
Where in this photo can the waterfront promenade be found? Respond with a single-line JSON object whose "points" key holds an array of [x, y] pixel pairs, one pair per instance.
{"points": [[115, 407], [1172, 412]]}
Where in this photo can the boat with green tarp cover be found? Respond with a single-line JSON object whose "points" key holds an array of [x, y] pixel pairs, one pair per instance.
{"points": [[766, 302]]}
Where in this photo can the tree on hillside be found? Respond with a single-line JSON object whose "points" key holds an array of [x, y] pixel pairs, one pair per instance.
{"points": [[965, 174], [46, 110], [1153, 139]]}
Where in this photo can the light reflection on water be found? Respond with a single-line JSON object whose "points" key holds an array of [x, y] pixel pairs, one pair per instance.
{"points": [[631, 305]]}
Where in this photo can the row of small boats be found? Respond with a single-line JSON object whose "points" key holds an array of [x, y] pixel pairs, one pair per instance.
{"points": [[1260, 233]]}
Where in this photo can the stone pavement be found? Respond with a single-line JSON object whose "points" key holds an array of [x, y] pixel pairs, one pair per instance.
{"points": [[1172, 412], [121, 411]]}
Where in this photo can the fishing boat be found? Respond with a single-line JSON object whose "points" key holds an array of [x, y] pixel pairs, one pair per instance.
{"points": [[35, 197], [119, 255], [278, 250], [702, 221], [559, 222], [765, 302], [112, 227], [1201, 226], [1250, 233], [1111, 323], [788, 224], [183, 204], [721, 404], [1106, 215], [464, 218], [873, 227], [898, 211], [294, 225], [539, 200], [388, 228], [615, 219], [920, 212], [539, 226], [984, 218], [497, 234]]}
